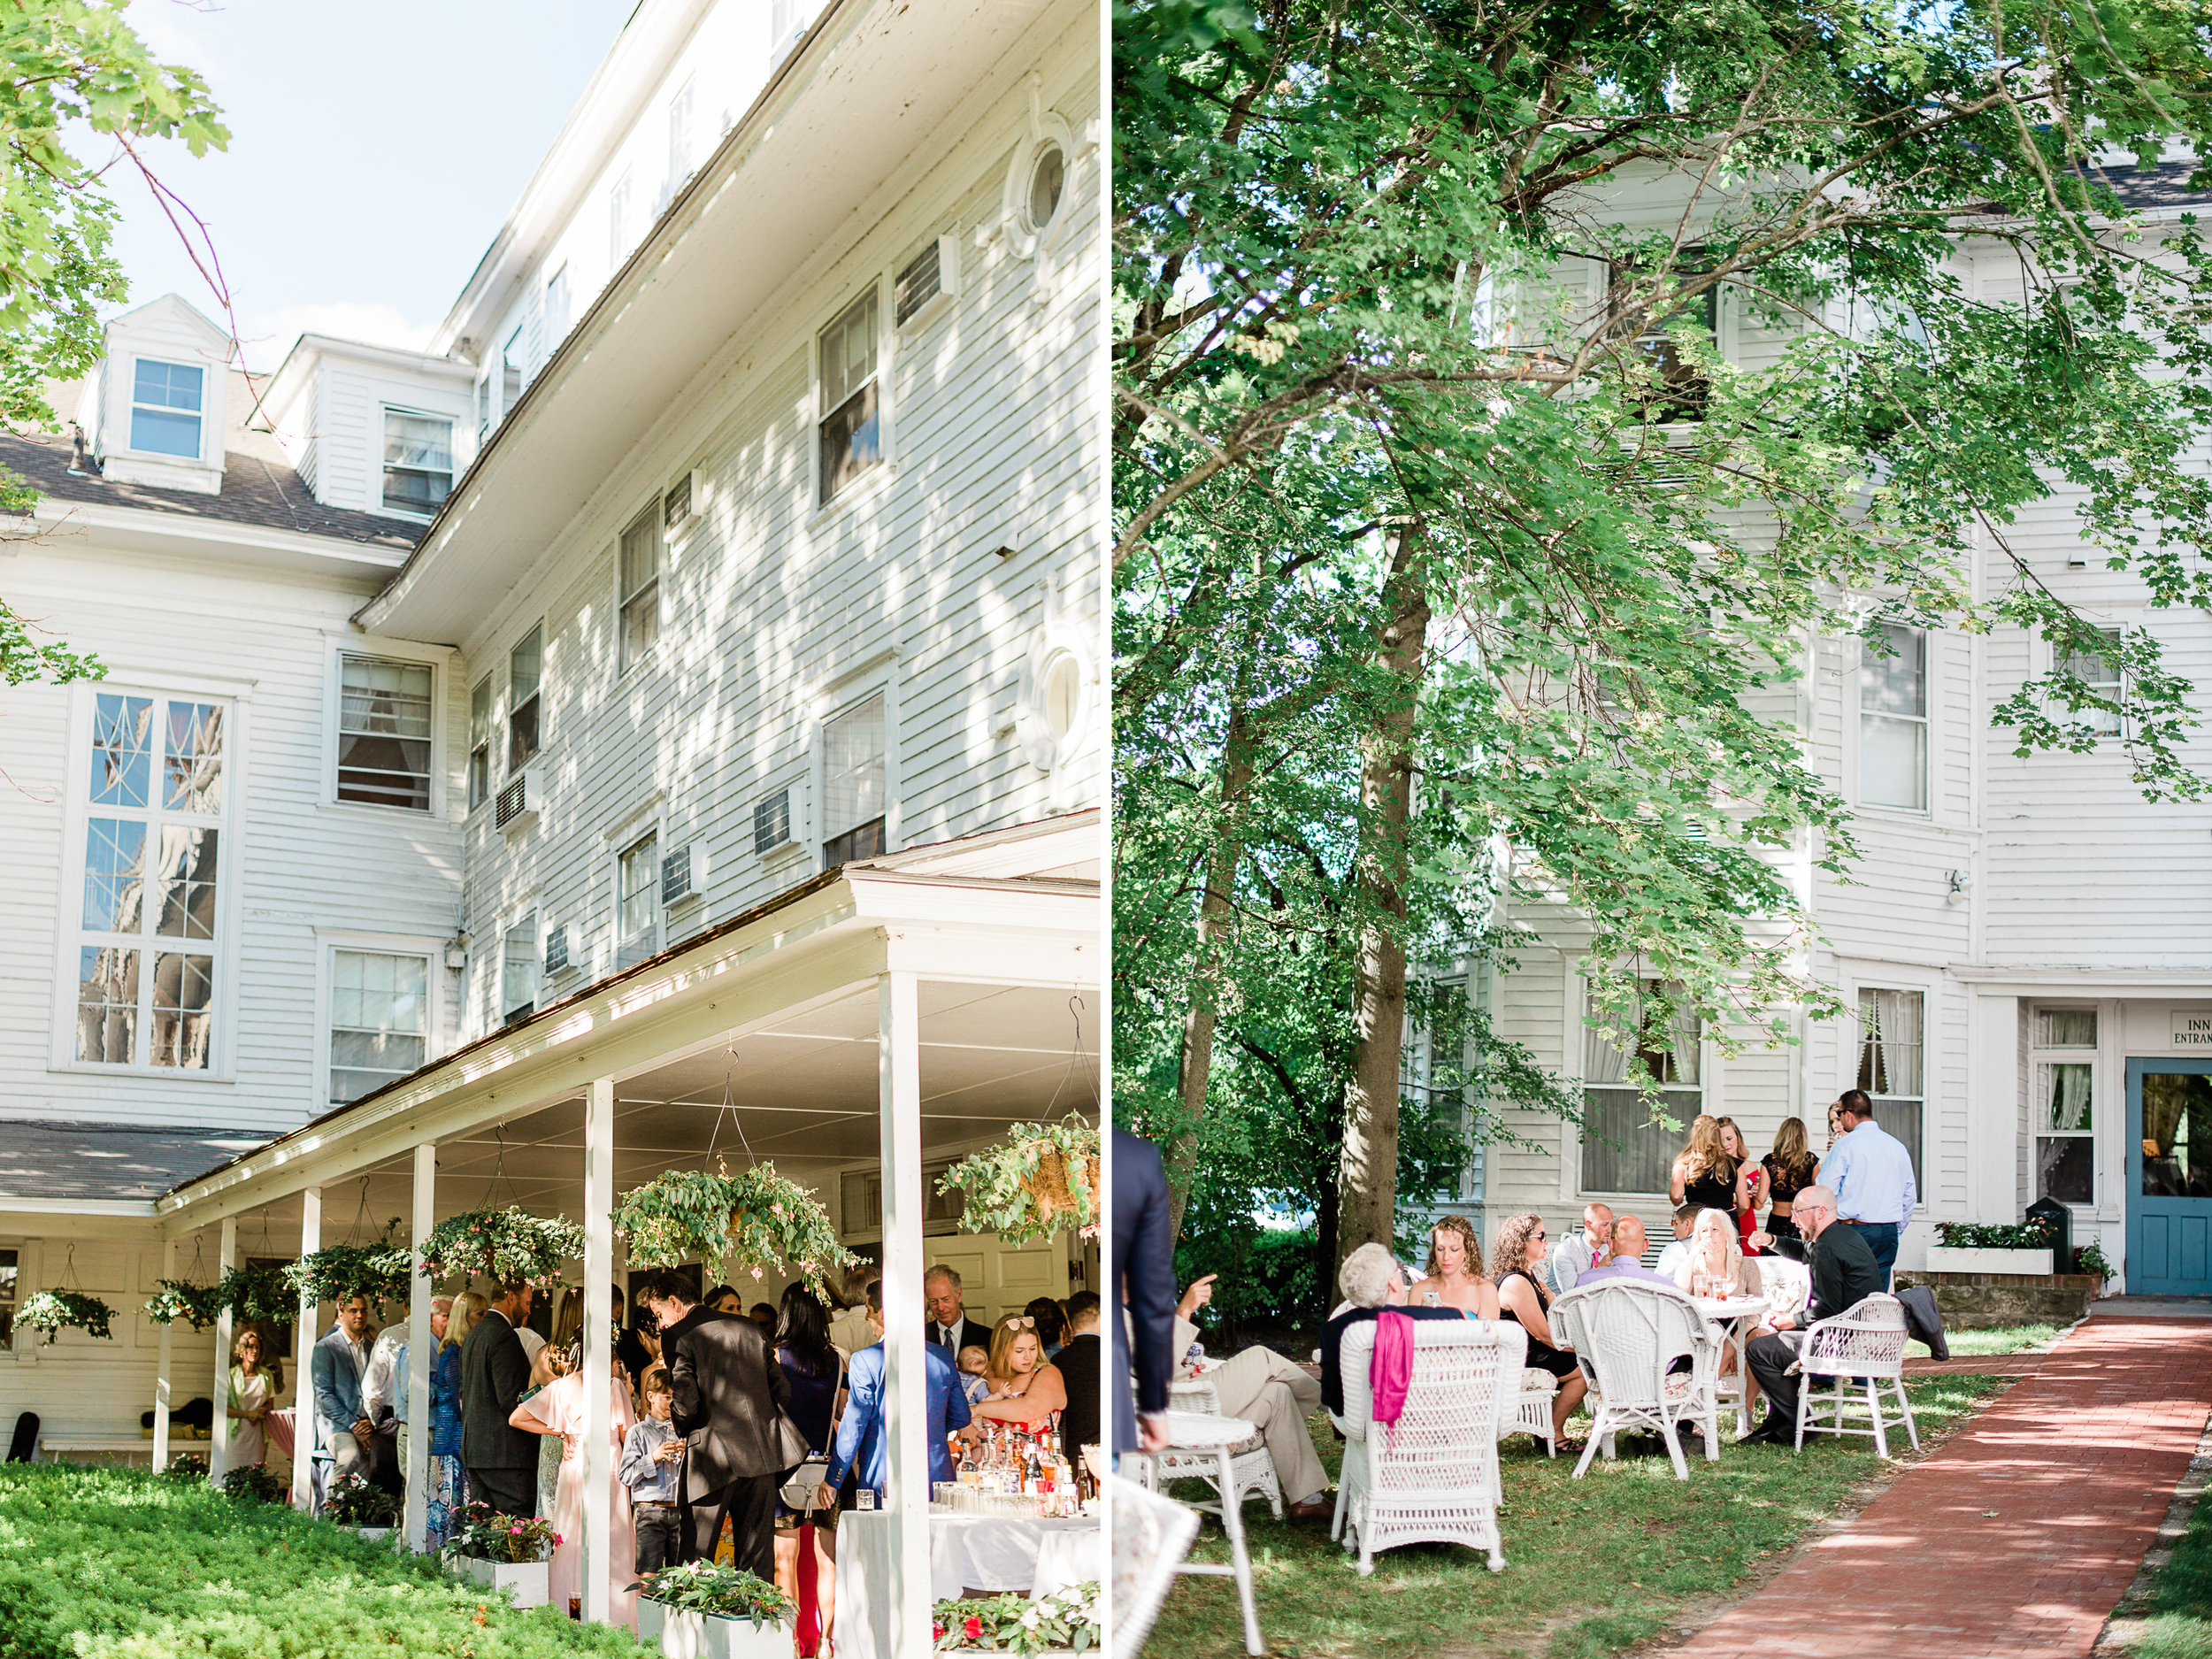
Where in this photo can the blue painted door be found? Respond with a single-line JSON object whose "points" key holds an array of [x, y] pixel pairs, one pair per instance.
{"points": [[2169, 1177]]}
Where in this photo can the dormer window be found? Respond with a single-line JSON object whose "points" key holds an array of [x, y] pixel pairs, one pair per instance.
{"points": [[166, 407], [418, 461]]}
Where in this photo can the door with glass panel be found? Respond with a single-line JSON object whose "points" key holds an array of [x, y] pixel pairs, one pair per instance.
{"points": [[2169, 1177]]}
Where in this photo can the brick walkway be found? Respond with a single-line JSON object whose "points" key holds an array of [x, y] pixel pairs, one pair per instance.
{"points": [[2020, 1535]]}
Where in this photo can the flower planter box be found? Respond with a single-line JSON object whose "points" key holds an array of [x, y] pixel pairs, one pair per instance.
{"points": [[1944, 1258], [684, 1634], [531, 1581]]}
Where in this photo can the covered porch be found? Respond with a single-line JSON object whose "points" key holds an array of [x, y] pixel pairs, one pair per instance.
{"points": [[861, 1030]]}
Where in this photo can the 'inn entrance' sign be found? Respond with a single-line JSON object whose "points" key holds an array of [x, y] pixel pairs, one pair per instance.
{"points": [[2193, 1028]]}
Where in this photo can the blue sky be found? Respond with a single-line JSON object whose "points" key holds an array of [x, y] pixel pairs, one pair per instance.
{"points": [[375, 152]]}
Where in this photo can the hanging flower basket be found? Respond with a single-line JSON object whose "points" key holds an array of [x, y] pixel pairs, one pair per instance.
{"points": [[174, 1299], [54, 1311], [259, 1292], [339, 1272], [1041, 1180], [507, 1245], [755, 1220]]}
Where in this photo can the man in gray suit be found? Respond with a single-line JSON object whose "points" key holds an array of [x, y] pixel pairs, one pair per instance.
{"points": [[336, 1366], [502, 1459], [729, 1390]]}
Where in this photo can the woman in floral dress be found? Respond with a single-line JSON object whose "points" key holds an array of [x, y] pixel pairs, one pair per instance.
{"points": [[449, 1483]]}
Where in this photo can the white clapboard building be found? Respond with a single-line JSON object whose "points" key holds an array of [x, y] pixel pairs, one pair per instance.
{"points": [[2026, 943], [662, 721]]}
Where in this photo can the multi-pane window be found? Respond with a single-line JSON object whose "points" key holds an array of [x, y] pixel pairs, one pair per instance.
{"points": [[640, 576], [384, 733], [2100, 673], [1894, 720], [1624, 1148], [418, 461], [1892, 1052], [2062, 1073], [557, 317], [10, 1272], [851, 440], [480, 743], [380, 1015], [526, 678], [852, 784], [637, 900], [153, 882], [518, 968], [166, 405], [1678, 388]]}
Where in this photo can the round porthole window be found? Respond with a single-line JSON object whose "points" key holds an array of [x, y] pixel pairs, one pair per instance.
{"points": [[1048, 180], [1063, 689]]}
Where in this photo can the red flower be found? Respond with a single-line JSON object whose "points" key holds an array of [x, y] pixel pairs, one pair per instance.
{"points": [[973, 1629], [936, 1632]]}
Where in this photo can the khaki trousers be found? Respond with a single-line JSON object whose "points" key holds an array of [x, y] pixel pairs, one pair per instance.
{"points": [[1276, 1397]]}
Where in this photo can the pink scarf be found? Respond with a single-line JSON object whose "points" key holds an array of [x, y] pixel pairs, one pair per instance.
{"points": [[1392, 1371]]}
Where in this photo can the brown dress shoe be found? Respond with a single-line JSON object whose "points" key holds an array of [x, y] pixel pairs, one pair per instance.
{"points": [[1320, 1508]]}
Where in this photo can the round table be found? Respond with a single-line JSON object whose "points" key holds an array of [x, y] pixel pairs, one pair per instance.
{"points": [[1736, 1315], [1002, 1553]]}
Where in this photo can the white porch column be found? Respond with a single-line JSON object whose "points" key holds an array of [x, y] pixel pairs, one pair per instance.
{"points": [[161, 1369], [906, 1413], [421, 1353], [598, 1350], [305, 1443], [218, 1442]]}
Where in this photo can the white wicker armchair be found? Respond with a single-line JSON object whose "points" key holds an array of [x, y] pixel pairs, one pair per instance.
{"points": [[1433, 1475], [1252, 1470], [1630, 1332], [1865, 1343]]}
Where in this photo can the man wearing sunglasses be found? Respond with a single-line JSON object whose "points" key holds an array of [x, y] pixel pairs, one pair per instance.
{"points": [[1844, 1274]]}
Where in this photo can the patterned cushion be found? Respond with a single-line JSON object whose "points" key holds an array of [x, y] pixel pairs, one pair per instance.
{"points": [[1680, 1386], [1539, 1382]]}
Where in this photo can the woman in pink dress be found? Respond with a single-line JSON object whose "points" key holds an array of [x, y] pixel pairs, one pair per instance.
{"points": [[558, 1409]]}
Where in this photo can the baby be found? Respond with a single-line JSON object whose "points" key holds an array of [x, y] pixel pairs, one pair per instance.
{"points": [[975, 1366]]}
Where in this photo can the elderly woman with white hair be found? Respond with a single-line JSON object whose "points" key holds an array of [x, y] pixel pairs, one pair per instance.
{"points": [[1371, 1279]]}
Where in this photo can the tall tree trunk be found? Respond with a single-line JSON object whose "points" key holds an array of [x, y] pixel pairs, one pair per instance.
{"points": [[1368, 1174], [1217, 914]]}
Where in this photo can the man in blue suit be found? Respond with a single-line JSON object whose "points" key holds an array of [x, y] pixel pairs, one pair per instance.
{"points": [[860, 1450], [337, 1365], [1143, 1264]]}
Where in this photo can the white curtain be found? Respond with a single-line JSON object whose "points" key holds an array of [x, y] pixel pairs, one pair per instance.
{"points": [[2069, 1095], [1602, 1062], [1890, 1062]]}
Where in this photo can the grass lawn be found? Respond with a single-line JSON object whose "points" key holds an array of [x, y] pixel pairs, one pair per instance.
{"points": [[2177, 1609], [2004, 1339], [107, 1563], [1592, 1566]]}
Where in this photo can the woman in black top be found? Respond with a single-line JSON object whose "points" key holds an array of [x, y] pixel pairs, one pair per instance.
{"points": [[1520, 1247], [1791, 1168], [1706, 1176]]}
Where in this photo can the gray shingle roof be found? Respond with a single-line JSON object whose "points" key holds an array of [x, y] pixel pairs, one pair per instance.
{"points": [[39, 1159], [260, 486]]}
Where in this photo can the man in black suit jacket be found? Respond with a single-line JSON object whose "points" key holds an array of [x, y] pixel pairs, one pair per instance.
{"points": [[1143, 1264], [1844, 1274], [729, 1391], [949, 1326], [1078, 1365], [502, 1459]]}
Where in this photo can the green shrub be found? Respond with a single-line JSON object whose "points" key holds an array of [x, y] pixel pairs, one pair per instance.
{"points": [[105, 1563], [253, 1484]]}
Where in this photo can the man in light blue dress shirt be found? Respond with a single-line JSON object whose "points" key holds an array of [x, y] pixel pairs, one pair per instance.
{"points": [[1871, 1174]]}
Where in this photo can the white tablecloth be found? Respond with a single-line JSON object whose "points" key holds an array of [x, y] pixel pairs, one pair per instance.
{"points": [[979, 1552]]}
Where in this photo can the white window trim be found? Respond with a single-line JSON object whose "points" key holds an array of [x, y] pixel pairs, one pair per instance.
{"points": [[531, 910], [442, 663], [1928, 984], [1854, 676], [663, 557], [2102, 1073], [621, 841], [453, 452], [328, 942], [863, 489], [878, 675], [1712, 1086], [213, 390], [230, 920], [2045, 661], [796, 819], [490, 680], [503, 704]]}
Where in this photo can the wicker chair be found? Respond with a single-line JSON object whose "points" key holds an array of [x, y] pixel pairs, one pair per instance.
{"points": [[1630, 1332], [1865, 1343], [1532, 1411], [1152, 1534], [1252, 1470], [1433, 1475]]}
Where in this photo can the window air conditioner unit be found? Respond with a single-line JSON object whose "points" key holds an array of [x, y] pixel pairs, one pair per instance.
{"points": [[931, 276], [680, 877], [771, 823], [556, 950], [516, 808]]}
